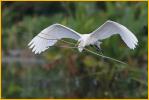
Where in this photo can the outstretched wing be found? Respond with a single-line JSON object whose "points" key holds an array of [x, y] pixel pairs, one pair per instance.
{"points": [[110, 28], [50, 35]]}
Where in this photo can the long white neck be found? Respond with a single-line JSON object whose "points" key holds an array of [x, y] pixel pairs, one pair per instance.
{"points": [[83, 42]]}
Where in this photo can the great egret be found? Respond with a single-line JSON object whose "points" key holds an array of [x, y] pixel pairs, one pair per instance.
{"points": [[50, 35]]}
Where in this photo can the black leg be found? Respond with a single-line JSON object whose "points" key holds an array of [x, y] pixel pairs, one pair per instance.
{"points": [[97, 48]]}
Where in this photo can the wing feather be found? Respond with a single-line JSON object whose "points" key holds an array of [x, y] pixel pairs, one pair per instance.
{"points": [[110, 28], [50, 35]]}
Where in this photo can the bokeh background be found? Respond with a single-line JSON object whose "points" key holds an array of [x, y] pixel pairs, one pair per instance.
{"points": [[64, 72]]}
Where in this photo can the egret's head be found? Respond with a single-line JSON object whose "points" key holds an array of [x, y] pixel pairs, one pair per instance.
{"points": [[80, 49], [81, 44]]}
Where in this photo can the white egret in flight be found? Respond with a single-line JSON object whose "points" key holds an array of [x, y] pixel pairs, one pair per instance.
{"points": [[50, 35]]}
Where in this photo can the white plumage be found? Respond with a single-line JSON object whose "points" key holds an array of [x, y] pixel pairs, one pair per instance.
{"points": [[50, 35]]}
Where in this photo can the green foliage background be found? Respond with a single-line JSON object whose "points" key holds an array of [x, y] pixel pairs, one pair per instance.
{"points": [[66, 73]]}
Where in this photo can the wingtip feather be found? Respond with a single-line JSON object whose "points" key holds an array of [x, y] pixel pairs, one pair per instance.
{"points": [[39, 45]]}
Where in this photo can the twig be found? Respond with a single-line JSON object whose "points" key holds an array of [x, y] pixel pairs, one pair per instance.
{"points": [[96, 53], [86, 50]]}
